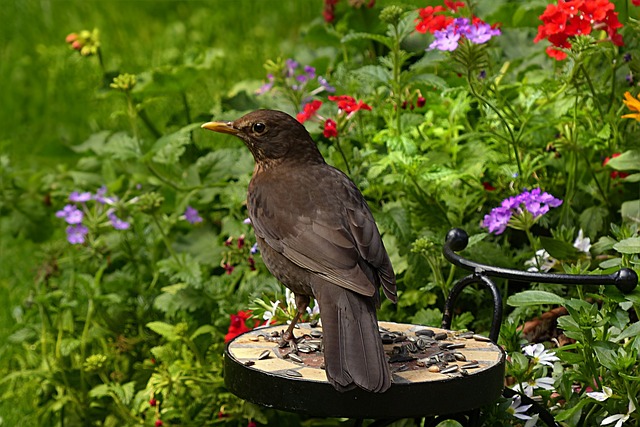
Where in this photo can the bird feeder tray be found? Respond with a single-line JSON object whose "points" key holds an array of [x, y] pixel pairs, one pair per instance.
{"points": [[471, 373]]}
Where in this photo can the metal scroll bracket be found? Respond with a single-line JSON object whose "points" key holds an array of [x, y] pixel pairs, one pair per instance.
{"points": [[625, 279]]}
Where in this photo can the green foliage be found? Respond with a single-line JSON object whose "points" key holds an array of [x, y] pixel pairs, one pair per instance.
{"points": [[128, 326]]}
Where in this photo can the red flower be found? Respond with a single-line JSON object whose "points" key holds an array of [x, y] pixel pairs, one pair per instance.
{"points": [[309, 110], [330, 129], [158, 423], [488, 186], [421, 102], [328, 13], [252, 424], [238, 325], [228, 268], [153, 402], [635, 2], [615, 174], [576, 17], [453, 6], [431, 22], [71, 38], [348, 104]]}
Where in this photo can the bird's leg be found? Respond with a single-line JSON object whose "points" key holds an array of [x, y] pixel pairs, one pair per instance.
{"points": [[302, 302]]}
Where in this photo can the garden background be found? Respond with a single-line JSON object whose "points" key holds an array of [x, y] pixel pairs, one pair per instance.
{"points": [[125, 257]]}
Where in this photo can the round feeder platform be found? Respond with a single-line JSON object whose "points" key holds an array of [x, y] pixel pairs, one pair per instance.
{"points": [[470, 373]]}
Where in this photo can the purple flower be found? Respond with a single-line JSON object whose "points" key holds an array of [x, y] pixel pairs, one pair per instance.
{"points": [[76, 234], [116, 222], [80, 197], [302, 78], [497, 220], [481, 33], [100, 196], [310, 71], [247, 221], [536, 202], [191, 215], [461, 26], [267, 86], [627, 57], [71, 214], [446, 39], [291, 66], [325, 84], [254, 249]]}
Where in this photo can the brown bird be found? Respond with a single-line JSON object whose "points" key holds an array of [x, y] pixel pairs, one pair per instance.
{"points": [[317, 236]]}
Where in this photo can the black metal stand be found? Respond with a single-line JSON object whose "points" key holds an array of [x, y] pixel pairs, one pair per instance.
{"points": [[625, 280]]}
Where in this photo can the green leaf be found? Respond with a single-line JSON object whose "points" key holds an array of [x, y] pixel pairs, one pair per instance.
{"points": [[628, 246], [631, 211], [606, 354], [168, 149], [430, 80], [592, 219], [122, 147], [565, 415], [610, 263], [166, 330], [629, 332], [98, 391], [204, 329], [527, 298], [387, 41], [375, 73], [635, 177], [627, 161], [558, 249]]}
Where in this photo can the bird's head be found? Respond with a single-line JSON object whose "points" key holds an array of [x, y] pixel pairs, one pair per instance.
{"points": [[271, 136]]}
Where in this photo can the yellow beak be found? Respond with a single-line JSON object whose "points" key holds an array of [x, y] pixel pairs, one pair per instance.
{"points": [[222, 127]]}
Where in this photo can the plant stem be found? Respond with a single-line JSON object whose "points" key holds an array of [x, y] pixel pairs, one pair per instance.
{"points": [[342, 154], [165, 239], [502, 120]]}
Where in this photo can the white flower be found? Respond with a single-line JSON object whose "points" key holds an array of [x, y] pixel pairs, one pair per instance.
{"points": [[583, 244], [527, 388], [268, 315], [533, 422], [540, 355], [545, 261], [517, 409], [619, 419], [290, 298], [601, 396], [315, 310]]}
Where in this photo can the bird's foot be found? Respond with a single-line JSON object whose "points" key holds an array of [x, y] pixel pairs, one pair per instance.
{"points": [[288, 339]]}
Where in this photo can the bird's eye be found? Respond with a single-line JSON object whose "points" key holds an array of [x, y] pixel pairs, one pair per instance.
{"points": [[259, 128]]}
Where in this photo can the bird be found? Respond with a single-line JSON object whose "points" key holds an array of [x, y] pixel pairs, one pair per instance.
{"points": [[318, 237]]}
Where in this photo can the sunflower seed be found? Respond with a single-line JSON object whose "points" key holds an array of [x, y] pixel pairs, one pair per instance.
{"points": [[456, 345], [460, 357], [470, 365], [440, 336], [425, 333], [264, 355], [293, 373], [295, 357], [449, 370], [249, 363], [316, 333], [481, 338]]}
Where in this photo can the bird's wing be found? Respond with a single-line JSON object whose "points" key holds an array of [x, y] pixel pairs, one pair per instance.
{"points": [[322, 223]]}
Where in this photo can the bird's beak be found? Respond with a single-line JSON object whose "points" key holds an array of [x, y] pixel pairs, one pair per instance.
{"points": [[222, 127]]}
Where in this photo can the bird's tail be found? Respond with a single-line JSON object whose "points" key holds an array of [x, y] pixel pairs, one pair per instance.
{"points": [[353, 351]]}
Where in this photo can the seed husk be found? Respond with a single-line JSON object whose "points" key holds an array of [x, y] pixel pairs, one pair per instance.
{"points": [[456, 345], [264, 355], [450, 369], [316, 333], [481, 338], [295, 357], [425, 333], [249, 363], [292, 373], [460, 357], [440, 336], [470, 365]]}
